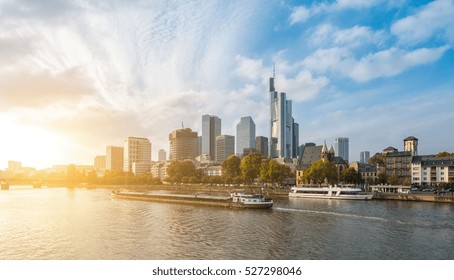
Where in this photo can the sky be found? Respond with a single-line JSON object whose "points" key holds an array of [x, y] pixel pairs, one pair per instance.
{"points": [[77, 76]]}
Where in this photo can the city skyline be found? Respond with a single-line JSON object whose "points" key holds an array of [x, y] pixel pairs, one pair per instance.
{"points": [[76, 78]]}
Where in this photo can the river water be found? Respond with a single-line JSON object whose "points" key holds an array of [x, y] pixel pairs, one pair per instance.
{"points": [[62, 223]]}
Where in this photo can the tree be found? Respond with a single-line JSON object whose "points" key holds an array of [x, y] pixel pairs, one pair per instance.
{"points": [[231, 168], [250, 167], [321, 171], [393, 180], [377, 158], [351, 176], [445, 154], [274, 172], [177, 170]]}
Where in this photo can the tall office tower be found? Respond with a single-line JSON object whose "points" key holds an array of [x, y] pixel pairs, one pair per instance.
{"points": [[411, 145], [199, 151], [261, 145], [184, 144], [162, 156], [225, 147], [364, 157], [341, 148], [211, 128], [114, 158], [137, 155], [100, 163], [245, 135], [282, 138], [295, 139]]}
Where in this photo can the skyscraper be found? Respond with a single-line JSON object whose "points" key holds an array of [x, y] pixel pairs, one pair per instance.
{"points": [[245, 135], [211, 128], [341, 147], [261, 145], [137, 155], [162, 156], [225, 147], [282, 137], [364, 156], [184, 144], [114, 158]]}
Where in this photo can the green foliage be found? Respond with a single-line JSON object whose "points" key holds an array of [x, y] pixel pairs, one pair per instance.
{"points": [[445, 154], [377, 158], [274, 172], [321, 171], [250, 167], [393, 180], [231, 168], [351, 176], [178, 170]]}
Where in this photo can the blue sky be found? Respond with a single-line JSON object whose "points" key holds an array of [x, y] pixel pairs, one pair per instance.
{"points": [[77, 76]]}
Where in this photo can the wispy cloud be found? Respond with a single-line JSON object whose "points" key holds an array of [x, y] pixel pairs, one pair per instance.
{"points": [[436, 19]]}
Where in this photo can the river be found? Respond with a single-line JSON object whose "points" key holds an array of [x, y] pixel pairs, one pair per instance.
{"points": [[87, 224]]}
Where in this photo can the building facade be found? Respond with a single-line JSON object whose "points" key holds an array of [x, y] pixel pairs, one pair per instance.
{"points": [[162, 155], [411, 145], [225, 147], [114, 158], [100, 164], [368, 172], [137, 155], [261, 145], [431, 170], [282, 132], [341, 147], [183, 144], [245, 135], [211, 128]]}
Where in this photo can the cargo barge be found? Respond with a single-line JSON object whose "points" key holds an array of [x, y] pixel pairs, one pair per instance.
{"points": [[236, 200]]}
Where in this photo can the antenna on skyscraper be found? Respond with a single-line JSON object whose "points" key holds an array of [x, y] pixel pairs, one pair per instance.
{"points": [[274, 70]]}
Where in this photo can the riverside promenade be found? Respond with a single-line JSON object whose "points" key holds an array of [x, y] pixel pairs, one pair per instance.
{"points": [[445, 197]]}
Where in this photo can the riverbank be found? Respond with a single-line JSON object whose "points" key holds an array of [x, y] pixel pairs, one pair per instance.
{"points": [[445, 198]]}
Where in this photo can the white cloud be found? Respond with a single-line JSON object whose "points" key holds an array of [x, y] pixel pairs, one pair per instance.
{"points": [[392, 62], [433, 19], [248, 68], [356, 36], [302, 14], [386, 63], [303, 86], [299, 14]]}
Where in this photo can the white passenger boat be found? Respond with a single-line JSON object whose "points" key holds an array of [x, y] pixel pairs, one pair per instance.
{"points": [[331, 192]]}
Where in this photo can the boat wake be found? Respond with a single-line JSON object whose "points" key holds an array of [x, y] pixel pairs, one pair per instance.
{"points": [[347, 215]]}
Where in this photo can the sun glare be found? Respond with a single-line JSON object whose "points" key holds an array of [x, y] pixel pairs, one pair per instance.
{"points": [[33, 146]]}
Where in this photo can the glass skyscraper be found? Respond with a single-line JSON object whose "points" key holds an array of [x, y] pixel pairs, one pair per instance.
{"points": [[211, 128], [341, 147], [283, 130], [245, 135]]}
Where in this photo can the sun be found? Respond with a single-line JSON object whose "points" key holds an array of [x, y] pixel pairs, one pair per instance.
{"points": [[32, 145]]}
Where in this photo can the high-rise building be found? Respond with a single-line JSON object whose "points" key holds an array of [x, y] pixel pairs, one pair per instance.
{"points": [[100, 163], [364, 157], [245, 135], [211, 128], [295, 139], [184, 144], [137, 155], [225, 147], [282, 125], [162, 156], [261, 145], [114, 158], [341, 147]]}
